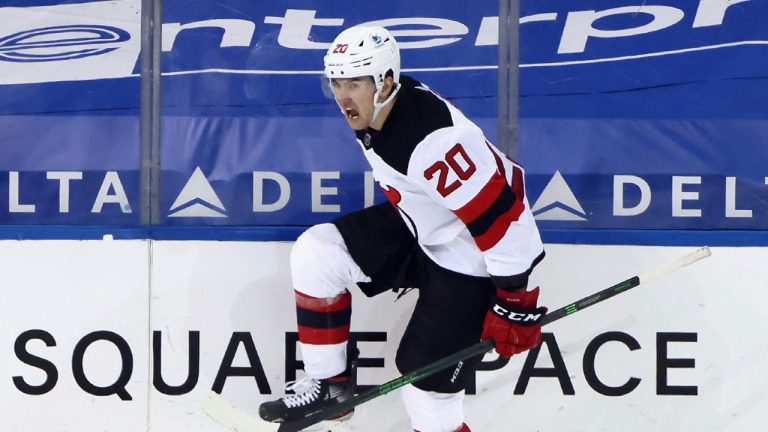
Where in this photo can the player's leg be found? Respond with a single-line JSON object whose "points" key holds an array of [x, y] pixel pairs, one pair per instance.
{"points": [[321, 268], [434, 412], [448, 317], [370, 248], [325, 259]]}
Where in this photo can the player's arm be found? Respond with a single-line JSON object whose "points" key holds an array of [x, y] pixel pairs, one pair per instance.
{"points": [[460, 170]]}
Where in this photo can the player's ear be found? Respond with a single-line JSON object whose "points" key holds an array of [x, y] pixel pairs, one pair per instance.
{"points": [[389, 85]]}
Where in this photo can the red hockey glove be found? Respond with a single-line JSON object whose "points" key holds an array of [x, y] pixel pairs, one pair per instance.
{"points": [[513, 321]]}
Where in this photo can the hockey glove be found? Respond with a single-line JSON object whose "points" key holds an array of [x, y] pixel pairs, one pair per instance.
{"points": [[513, 321]]}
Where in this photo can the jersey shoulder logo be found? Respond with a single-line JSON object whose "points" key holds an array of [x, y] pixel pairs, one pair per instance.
{"points": [[197, 199], [557, 202], [392, 194]]}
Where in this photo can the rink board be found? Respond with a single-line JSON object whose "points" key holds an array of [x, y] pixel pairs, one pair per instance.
{"points": [[130, 335]]}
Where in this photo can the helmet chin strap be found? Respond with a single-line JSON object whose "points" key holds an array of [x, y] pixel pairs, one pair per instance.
{"points": [[378, 106]]}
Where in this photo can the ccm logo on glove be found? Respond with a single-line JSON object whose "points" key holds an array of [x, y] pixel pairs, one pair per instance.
{"points": [[513, 321], [522, 317]]}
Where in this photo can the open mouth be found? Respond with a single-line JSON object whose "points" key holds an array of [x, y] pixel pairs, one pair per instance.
{"points": [[351, 114]]}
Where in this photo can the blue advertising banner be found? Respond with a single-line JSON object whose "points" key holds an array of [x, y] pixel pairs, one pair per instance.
{"points": [[634, 115]]}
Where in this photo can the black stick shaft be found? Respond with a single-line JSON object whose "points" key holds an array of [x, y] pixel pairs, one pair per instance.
{"points": [[591, 300]]}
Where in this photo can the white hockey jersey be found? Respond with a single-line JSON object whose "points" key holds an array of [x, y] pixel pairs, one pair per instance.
{"points": [[462, 198]]}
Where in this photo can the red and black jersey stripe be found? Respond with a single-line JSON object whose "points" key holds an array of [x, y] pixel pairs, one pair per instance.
{"points": [[494, 208], [323, 321]]}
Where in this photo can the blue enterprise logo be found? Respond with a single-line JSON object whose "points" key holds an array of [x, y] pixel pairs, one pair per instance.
{"points": [[61, 43]]}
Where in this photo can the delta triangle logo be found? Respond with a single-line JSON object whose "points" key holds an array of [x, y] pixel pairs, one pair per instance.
{"points": [[198, 199], [558, 203]]}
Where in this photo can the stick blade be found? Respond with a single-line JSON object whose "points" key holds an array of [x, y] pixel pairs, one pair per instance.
{"points": [[683, 261], [227, 415], [224, 413]]}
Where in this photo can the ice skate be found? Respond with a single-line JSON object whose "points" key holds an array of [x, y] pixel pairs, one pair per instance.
{"points": [[311, 395]]}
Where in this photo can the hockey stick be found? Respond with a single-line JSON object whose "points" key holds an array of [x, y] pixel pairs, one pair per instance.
{"points": [[474, 350]]}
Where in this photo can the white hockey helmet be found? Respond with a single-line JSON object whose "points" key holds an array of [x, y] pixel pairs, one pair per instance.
{"points": [[363, 51]]}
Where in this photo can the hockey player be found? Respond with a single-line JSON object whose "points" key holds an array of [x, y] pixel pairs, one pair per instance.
{"points": [[457, 227]]}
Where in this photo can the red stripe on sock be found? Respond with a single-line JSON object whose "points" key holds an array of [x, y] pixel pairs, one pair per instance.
{"points": [[317, 304], [331, 336]]}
